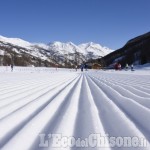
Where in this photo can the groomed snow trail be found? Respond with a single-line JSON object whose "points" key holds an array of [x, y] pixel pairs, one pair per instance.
{"points": [[73, 104]]}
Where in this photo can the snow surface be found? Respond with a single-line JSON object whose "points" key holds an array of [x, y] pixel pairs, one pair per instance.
{"points": [[16, 41], [46, 100]]}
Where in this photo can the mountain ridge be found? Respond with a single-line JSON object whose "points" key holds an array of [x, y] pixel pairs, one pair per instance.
{"points": [[54, 52], [136, 51]]}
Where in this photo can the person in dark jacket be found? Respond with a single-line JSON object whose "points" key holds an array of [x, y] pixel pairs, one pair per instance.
{"points": [[132, 67], [11, 67], [85, 66], [82, 66]]}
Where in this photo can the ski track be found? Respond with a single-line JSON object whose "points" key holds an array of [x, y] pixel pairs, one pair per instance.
{"points": [[77, 104]]}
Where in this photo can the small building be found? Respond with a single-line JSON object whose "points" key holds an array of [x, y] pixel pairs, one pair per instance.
{"points": [[96, 66]]}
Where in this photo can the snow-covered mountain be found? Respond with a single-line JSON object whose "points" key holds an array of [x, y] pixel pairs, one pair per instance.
{"points": [[95, 49], [56, 52], [15, 41]]}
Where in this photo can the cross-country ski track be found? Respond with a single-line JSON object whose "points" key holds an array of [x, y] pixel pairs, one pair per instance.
{"points": [[74, 104]]}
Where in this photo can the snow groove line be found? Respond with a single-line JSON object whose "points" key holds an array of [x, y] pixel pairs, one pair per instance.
{"points": [[42, 117], [128, 94], [147, 90], [116, 123], [13, 93], [24, 82], [135, 88], [50, 88], [19, 83], [21, 95], [19, 104], [120, 78], [124, 82], [28, 78], [64, 119], [12, 89], [25, 87], [131, 108], [122, 86], [87, 119], [27, 114], [109, 86], [10, 86], [136, 91]]}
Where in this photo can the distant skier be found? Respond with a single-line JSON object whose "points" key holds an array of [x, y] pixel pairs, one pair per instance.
{"points": [[11, 67], [119, 66], [85, 66], [82, 66], [132, 68], [126, 66], [76, 67]]}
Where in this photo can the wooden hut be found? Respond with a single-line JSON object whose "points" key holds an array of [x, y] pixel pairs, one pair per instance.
{"points": [[96, 66]]}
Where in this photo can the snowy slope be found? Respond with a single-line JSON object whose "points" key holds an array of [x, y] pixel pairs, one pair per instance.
{"points": [[94, 48], [87, 48], [20, 46], [36, 101], [60, 48], [65, 48], [16, 41]]}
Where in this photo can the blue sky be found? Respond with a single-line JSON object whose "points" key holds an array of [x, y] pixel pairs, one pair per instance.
{"points": [[110, 23]]}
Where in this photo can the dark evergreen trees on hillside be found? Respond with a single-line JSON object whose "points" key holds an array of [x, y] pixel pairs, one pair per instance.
{"points": [[136, 50]]}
